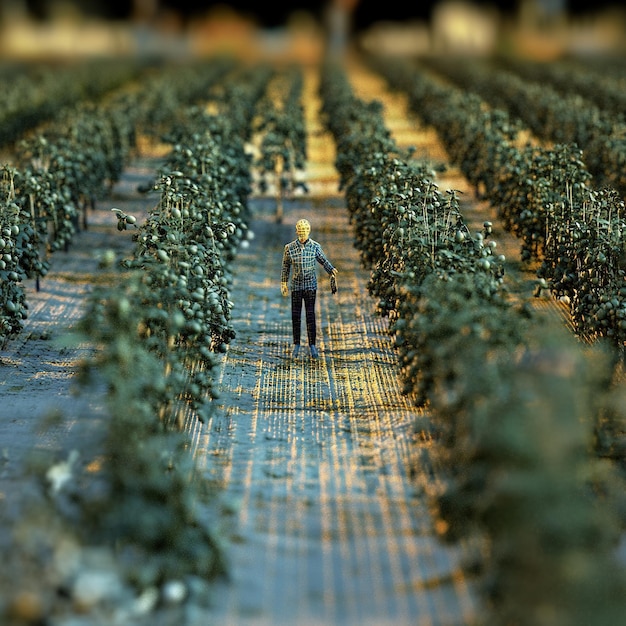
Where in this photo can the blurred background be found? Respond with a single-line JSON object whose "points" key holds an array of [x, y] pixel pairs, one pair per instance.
{"points": [[304, 28]]}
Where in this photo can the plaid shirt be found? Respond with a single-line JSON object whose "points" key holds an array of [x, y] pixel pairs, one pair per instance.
{"points": [[302, 257]]}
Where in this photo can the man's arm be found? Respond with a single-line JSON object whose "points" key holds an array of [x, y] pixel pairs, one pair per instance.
{"points": [[324, 262], [284, 274]]}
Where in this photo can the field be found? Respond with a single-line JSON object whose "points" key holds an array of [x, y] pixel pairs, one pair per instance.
{"points": [[456, 453]]}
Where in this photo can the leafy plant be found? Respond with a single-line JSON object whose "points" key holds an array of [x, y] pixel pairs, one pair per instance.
{"points": [[281, 127], [500, 389], [13, 307], [147, 503]]}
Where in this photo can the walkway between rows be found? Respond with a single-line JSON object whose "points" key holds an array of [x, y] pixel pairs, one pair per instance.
{"points": [[314, 456]]}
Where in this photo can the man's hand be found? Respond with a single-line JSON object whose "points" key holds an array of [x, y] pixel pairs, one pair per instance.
{"points": [[334, 272], [284, 289], [333, 281]]}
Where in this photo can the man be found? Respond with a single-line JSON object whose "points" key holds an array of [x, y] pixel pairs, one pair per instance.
{"points": [[300, 256]]}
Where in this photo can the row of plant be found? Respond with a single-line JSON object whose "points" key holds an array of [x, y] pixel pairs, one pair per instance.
{"points": [[551, 115], [573, 77], [59, 173], [159, 334], [282, 136], [542, 195], [40, 91], [513, 420], [44, 195], [608, 64]]}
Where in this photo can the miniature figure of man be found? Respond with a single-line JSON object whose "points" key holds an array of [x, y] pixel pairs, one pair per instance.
{"points": [[300, 256]]}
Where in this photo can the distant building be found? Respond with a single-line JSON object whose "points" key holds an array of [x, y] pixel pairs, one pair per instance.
{"points": [[464, 27]]}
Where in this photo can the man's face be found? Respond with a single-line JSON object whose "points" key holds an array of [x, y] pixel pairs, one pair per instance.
{"points": [[303, 230]]}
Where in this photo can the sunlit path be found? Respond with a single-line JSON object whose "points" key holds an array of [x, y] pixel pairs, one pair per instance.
{"points": [[313, 456], [325, 526]]}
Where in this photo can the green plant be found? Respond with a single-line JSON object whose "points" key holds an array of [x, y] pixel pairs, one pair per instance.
{"points": [[280, 124], [146, 506]]}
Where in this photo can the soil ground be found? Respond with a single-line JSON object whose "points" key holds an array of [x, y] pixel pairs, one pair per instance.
{"points": [[323, 520]]}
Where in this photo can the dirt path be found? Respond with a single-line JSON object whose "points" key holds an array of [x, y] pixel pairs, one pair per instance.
{"points": [[41, 416], [313, 455]]}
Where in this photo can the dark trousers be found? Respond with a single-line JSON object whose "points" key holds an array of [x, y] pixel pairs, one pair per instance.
{"points": [[308, 297]]}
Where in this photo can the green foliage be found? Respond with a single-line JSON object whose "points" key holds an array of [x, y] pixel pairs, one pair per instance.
{"points": [[529, 183], [62, 170], [149, 495], [531, 488], [41, 90], [596, 80], [585, 261], [281, 125], [159, 333], [543, 195], [513, 400], [556, 116], [405, 228], [449, 313], [14, 240]]}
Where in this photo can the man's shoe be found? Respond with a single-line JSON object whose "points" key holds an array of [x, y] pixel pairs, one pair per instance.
{"points": [[296, 351], [314, 353]]}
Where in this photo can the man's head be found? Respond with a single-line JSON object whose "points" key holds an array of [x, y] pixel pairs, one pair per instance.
{"points": [[303, 229]]}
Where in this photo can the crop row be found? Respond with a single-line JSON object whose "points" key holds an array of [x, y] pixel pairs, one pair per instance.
{"points": [[281, 127], [58, 174], [40, 91], [550, 115], [574, 78], [160, 329], [511, 407], [542, 195]]}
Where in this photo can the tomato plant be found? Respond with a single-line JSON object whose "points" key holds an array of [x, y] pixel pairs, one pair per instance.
{"points": [[280, 125]]}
